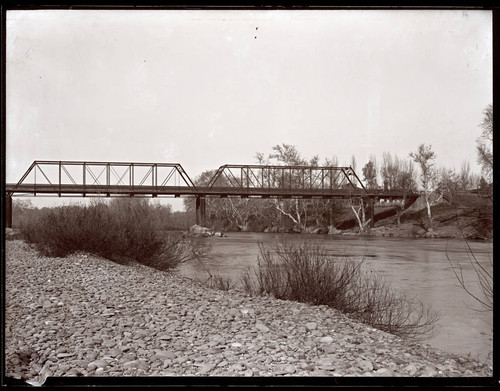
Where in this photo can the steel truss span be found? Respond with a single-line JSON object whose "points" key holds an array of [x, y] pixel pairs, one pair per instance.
{"points": [[111, 179], [121, 179]]}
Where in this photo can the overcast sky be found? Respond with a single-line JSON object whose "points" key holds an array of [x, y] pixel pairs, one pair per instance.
{"points": [[206, 88]]}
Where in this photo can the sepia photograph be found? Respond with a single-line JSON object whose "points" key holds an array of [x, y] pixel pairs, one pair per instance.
{"points": [[247, 195]]}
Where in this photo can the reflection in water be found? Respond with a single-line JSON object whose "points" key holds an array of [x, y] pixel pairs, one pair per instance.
{"points": [[418, 267]]}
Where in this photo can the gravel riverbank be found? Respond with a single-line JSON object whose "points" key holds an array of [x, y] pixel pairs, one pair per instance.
{"points": [[86, 316]]}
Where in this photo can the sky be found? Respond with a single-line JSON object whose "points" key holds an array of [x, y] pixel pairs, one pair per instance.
{"points": [[205, 88]]}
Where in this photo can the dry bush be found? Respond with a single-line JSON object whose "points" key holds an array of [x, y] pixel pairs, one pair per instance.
{"points": [[220, 283], [123, 230], [305, 272]]}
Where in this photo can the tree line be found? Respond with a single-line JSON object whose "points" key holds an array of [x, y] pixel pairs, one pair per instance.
{"points": [[416, 172]]}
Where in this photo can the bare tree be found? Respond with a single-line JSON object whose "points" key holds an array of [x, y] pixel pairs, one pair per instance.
{"points": [[465, 179], [405, 181], [425, 157], [389, 170], [358, 207], [484, 276], [448, 183]]}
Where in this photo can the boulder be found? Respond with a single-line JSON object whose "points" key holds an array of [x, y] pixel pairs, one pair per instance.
{"points": [[333, 231], [197, 230]]}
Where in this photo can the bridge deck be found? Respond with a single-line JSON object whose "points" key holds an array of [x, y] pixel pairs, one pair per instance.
{"points": [[177, 191]]}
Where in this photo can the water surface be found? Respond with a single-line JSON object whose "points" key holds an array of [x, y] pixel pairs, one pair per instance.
{"points": [[418, 267]]}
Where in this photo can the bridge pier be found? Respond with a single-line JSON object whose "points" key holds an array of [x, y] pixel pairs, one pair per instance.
{"points": [[200, 211], [8, 210], [371, 207]]}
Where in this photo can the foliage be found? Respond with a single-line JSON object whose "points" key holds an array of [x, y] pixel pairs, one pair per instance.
{"points": [[397, 173], [22, 209], [370, 174], [448, 183], [305, 272], [484, 144], [258, 214], [304, 215], [126, 229]]}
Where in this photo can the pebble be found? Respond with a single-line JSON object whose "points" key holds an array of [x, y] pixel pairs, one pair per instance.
{"points": [[411, 369], [261, 327], [364, 365], [131, 320], [326, 340]]}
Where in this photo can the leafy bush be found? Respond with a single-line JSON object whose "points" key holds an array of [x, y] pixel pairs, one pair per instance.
{"points": [[123, 230], [305, 272]]}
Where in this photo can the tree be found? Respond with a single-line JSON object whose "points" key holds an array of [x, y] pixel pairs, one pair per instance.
{"points": [[288, 155], [353, 166], [484, 144], [358, 207], [296, 209], [398, 174], [370, 174], [449, 183], [389, 171], [465, 177], [405, 181], [425, 157]]}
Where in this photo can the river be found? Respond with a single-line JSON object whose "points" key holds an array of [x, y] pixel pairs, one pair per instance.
{"points": [[418, 267]]}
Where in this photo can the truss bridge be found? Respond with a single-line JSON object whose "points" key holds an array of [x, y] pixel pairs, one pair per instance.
{"points": [[127, 179]]}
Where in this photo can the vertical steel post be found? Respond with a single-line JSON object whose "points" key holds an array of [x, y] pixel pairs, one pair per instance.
{"points": [[155, 176], [59, 178], [131, 176], [8, 210], [84, 176]]}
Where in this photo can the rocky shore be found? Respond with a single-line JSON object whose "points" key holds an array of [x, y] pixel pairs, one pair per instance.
{"points": [[87, 316]]}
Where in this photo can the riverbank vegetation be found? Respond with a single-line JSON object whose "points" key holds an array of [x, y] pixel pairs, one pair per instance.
{"points": [[441, 189], [305, 272], [417, 172], [125, 229]]}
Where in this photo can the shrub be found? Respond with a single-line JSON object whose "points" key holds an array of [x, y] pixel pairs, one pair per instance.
{"points": [[123, 230], [220, 283], [305, 272]]}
